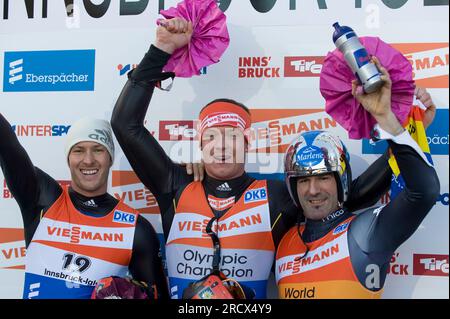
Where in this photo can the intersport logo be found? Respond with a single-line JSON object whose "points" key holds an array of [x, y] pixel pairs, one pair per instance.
{"points": [[40, 130], [430, 62]]}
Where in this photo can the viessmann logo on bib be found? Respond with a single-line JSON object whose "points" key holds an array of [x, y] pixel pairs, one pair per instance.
{"points": [[34, 71]]}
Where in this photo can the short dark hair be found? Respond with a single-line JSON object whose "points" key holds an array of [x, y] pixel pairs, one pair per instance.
{"points": [[227, 101]]}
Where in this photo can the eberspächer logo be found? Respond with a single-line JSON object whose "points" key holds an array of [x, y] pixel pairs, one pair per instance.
{"points": [[437, 137], [34, 71]]}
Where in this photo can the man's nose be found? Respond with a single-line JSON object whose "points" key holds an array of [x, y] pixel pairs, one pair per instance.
{"points": [[88, 158], [314, 188]]}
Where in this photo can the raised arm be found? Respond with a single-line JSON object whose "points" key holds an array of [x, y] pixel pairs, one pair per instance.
{"points": [[367, 189], [383, 230], [147, 158], [23, 179]]}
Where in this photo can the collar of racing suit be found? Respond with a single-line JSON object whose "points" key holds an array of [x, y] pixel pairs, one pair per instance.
{"points": [[226, 188], [316, 229], [97, 206]]}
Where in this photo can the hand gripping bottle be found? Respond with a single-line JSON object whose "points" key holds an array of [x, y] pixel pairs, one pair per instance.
{"points": [[357, 58]]}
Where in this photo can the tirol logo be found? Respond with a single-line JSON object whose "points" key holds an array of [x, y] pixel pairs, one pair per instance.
{"points": [[429, 61], [34, 71], [430, 265], [257, 67], [255, 195], [177, 131], [124, 218], [437, 137], [124, 69], [309, 156], [303, 66]]}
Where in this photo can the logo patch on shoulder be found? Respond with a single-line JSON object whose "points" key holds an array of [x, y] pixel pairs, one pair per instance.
{"points": [[255, 195], [340, 228], [124, 218]]}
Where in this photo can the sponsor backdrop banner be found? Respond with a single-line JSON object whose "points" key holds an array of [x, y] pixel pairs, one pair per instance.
{"points": [[62, 60]]}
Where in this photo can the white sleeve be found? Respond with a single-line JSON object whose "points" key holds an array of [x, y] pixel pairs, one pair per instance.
{"points": [[403, 138]]}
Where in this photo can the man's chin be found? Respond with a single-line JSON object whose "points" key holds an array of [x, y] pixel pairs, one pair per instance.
{"points": [[316, 213], [221, 170]]}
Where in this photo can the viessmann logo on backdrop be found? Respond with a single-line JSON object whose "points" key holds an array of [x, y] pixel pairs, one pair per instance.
{"points": [[34, 71], [127, 187], [430, 62], [12, 248], [272, 129]]}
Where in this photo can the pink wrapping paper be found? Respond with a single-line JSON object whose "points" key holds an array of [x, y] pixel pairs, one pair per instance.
{"points": [[209, 40], [335, 86]]}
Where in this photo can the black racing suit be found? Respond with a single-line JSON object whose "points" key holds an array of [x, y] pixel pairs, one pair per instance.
{"points": [[375, 233], [35, 192], [167, 180]]}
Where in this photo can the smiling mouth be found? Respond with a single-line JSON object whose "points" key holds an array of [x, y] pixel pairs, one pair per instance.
{"points": [[89, 172], [316, 202], [223, 159]]}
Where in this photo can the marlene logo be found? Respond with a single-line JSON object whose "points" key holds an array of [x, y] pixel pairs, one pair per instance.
{"points": [[430, 62], [12, 248], [309, 156]]}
